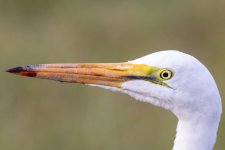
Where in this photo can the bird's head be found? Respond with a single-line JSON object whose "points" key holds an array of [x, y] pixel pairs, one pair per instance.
{"points": [[169, 79]]}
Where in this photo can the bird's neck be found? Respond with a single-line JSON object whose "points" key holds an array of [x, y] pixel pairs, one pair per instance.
{"points": [[196, 134]]}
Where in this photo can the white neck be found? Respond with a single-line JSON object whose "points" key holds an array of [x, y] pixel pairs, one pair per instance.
{"points": [[197, 134]]}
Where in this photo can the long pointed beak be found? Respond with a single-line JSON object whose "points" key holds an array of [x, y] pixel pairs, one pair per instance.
{"points": [[108, 74]]}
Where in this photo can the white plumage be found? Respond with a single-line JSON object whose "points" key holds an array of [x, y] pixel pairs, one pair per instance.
{"points": [[194, 99]]}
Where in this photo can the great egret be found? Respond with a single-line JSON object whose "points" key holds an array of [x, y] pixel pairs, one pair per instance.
{"points": [[169, 79]]}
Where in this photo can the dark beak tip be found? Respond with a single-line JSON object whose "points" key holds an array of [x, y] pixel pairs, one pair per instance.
{"points": [[15, 70]]}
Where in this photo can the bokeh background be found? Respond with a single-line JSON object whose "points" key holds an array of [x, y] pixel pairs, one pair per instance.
{"points": [[40, 114]]}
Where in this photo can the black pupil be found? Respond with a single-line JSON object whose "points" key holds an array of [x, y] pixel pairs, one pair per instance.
{"points": [[165, 74]]}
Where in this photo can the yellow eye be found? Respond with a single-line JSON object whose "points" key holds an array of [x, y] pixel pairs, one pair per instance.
{"points": [[166, 74]]}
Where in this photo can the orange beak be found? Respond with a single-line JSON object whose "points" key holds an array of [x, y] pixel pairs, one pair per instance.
{"points": [[108, 74]]}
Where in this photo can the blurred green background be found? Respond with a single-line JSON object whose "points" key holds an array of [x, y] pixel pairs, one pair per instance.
{"points": [[40, 114]]}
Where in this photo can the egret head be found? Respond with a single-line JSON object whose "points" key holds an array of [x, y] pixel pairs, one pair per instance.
{"points": [[186, 87], [169, 79]]}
